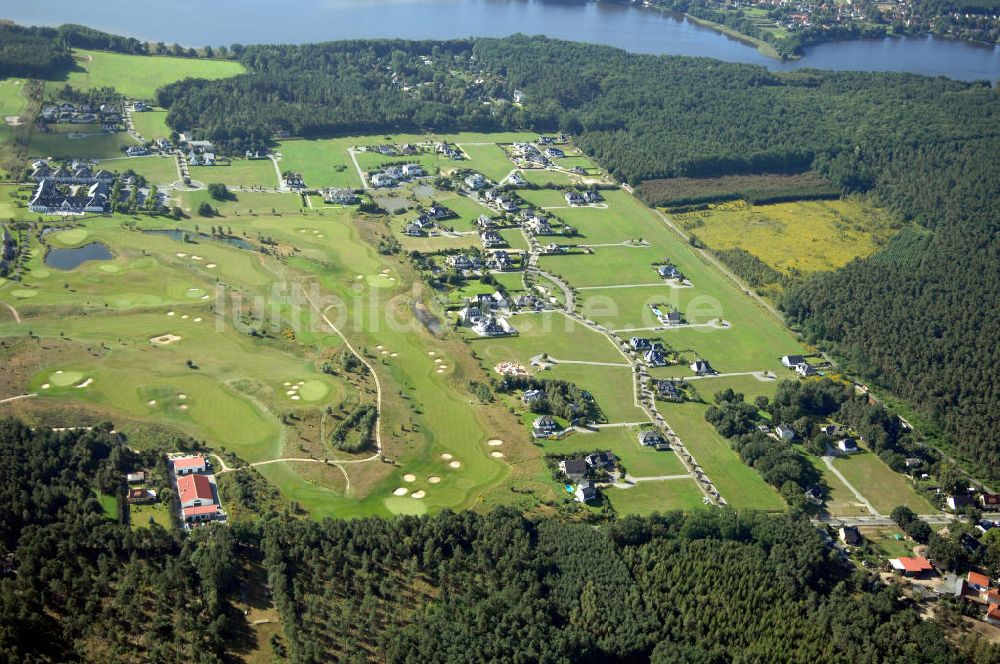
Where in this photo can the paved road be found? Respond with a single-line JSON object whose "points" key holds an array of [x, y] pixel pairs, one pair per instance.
{"points": [[857, 494], [357, 167], [657, 478], [930, 519]]}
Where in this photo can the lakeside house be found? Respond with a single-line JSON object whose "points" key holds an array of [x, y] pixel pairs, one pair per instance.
{"points": [[50, 199]]}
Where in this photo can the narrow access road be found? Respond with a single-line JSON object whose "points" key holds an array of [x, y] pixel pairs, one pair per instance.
{"points": [[357, 167], [18, 397], [277, 172], [378, 383], [17, 316], [857, 494], [657, 478]]}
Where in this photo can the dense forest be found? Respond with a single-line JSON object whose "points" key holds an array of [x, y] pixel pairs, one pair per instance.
{"points": [[705, 587], [31, 52], [921, 317]]}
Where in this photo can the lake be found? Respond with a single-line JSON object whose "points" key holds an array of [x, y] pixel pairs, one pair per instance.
{"points": [[197, 23], [70, 259]]}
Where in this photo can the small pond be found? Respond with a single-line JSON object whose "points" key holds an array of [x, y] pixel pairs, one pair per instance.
{"points": [[70, 259], [177, 234]]}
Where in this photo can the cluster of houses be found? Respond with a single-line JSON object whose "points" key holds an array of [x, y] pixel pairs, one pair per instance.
{"points": [[652, 351], [428, 220], [293, 180], [577, 471], [70, 190], [405, 150], [450, 151], [496, 260], [530, 155], [798, 364], [843, 443], [339, 196], [975, 588], [989, 502], [195, 490], [501, 201], [485, 314], [138, 493], [201, 153], [106, 115], [392, 175], [583, 197]]}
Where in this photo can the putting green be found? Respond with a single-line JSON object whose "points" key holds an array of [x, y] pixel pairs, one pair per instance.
{"points": [[66, 378], [379, 281], [405, 505], [313, 390], [40, 273], [71, 237], [195, 293], [106, 267], [23, 294]]}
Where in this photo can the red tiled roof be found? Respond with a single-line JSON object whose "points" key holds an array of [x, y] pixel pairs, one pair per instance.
{"points": [[198, 511], [977, 579], [993, 597], [191, 487], [994, 612], [916, 564], [189, 462]]}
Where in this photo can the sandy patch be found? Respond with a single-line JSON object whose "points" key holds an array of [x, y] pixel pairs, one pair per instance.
{"points": [[12, 120], [496, 442], [409, 477], [447, 456], [171, 313], [45, 386], [197, 258], [182, 397], [433, 479], [455, 464], [183, 406], [401, 491], [384, 352], [165, 339], [151, 402], [85, 383], [296, 398], [290, 392], [287, 383], [431, 353], [197, 320], [379, 347], [204, 297], [419, 494], [438, 361], [180, 255], [185, 317], [393, 354], [440, 371], [496, 455], [211, 265]]}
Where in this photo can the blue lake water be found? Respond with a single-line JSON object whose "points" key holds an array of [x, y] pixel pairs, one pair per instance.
{"points": [[197, 23], [70, 259]]}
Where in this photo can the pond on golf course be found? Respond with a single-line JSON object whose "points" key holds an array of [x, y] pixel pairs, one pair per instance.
{"points": [[70, 259]]}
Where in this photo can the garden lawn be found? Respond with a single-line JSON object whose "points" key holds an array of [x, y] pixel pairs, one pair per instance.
{"points": [[322, 162], [552, 333], [612, 388], [156, 169], [648, 497], [488, 159], [547, 178], [140, 515], [56, 143], [151, 125]]}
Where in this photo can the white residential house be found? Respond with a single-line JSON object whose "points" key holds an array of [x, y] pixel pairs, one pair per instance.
{"points": [[533, 395], [792, 361], [189, 464], [702, 367], [575, 198], [585, 491], [805, 369], [382, 180], [412, 170], [785, 432], [654, 358], [475, 181], [847, 446]]}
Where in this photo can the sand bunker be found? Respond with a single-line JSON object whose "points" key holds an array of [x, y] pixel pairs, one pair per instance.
{"points": [[409, 477], [85, 383], [182, 397], [401, 491], [204, 297], [296, 398], [165, 339], [185, 317], [12, 120], [45, 386], [495, 442], [419, 494], [197, 320], [170, 313], [431, 353], [210, 265], [433, 479], [497, 455], [287, 383], [180, 255], [440, 370], [183, 406], [455, 464], [384, 352], [393, 354], [447, 456], [197, 258], [151, 402]]}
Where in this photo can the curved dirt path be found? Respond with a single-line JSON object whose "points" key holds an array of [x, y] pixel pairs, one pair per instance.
{"points": [[17, 316], [19, 397]]}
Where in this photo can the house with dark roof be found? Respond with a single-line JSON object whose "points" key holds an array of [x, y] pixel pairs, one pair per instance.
{"points": [[847, 446], [640, 344], [601, 460], [989, 501], [668, 390], [650, 438], [574, 469], [544, 427], [702, 367], [792, 361], [585, 491], [957, 502]]}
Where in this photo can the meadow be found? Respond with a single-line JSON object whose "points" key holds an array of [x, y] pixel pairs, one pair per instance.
{"points": [[638, 461], [884, 488], [238, 173], [57, 143], [156, 169], [489, 159], [151, 125], [648, 497], [799, 237], [139, 76]]}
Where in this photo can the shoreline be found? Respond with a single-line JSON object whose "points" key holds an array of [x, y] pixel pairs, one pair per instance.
{"points": [[764, 48]]}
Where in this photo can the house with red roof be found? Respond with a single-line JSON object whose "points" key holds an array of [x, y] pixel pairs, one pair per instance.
{"points": [[978, 582], [993, 614], [200, 513], [914, 566], [189, 464], [195, 491]]}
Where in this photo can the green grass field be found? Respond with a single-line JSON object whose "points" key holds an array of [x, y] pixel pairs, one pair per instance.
{"points": [[639, 461], [139, 76], [552, 333], [239, 173], [649, 497], [156, 169], [547, 178], [883, 488], [151, 125], [141, 515], [488, 159], [58, 143]]}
